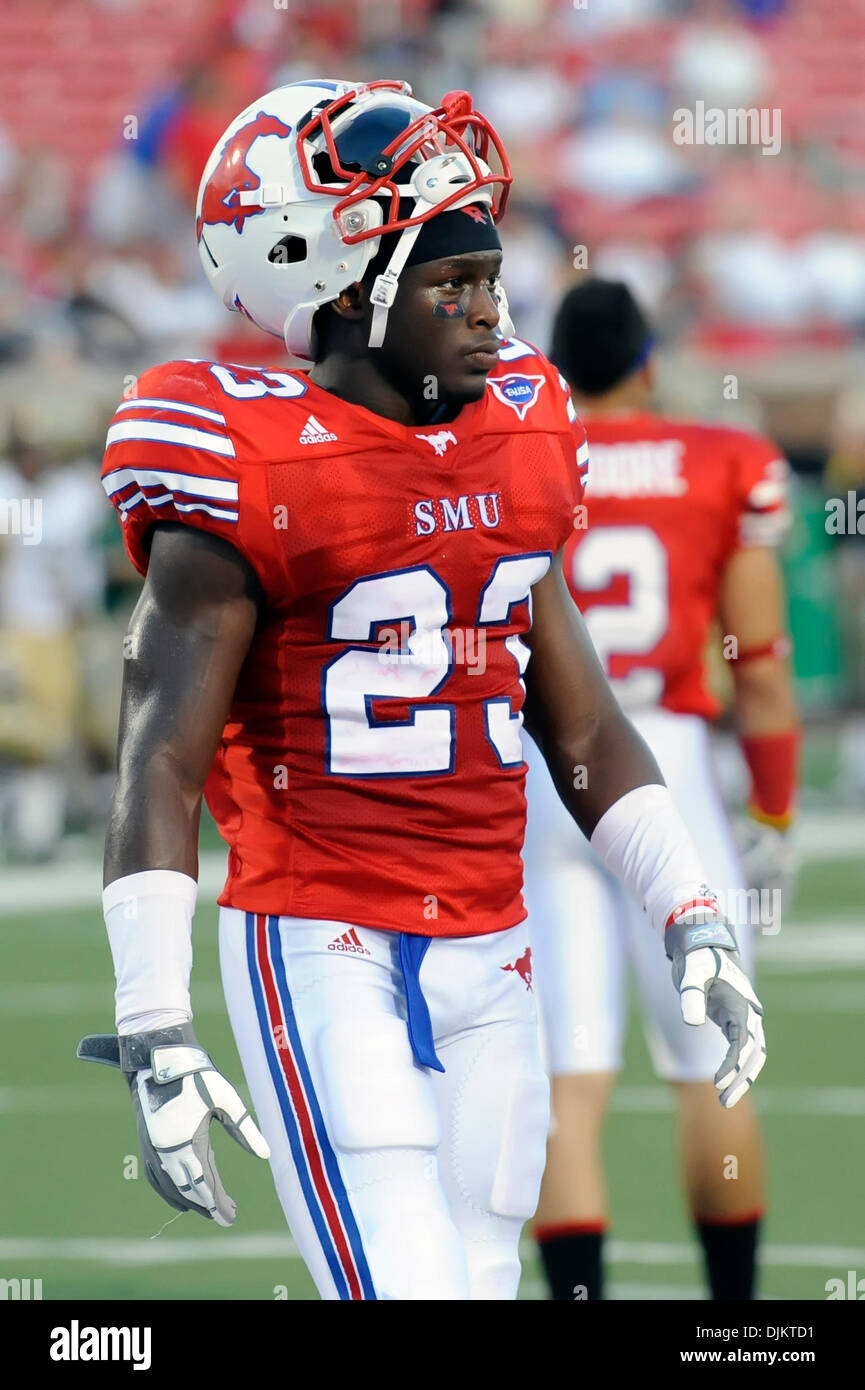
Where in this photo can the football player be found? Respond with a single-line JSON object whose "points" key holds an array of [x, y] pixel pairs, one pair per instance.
{"points": [[331, 645], [684, 521]]}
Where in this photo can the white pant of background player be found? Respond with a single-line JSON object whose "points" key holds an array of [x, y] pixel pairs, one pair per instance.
{"points": [[398, 1181], [587, 933]]}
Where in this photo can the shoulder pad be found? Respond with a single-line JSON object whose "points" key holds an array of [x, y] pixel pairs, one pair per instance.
{"points": [[524, 378]]}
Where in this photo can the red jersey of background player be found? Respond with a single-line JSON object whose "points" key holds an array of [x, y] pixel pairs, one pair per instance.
{"points": [[668, 503], [370, 770]]}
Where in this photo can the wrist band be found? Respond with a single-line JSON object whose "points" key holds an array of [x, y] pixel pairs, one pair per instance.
{"points": [[148, 917], [643, 840], [773, 761]]}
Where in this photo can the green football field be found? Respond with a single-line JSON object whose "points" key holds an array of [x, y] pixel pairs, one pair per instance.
{"points": [[71, 1215]]}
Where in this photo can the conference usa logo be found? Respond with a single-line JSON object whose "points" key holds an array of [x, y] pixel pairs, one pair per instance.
{"points": [[517, 391]]}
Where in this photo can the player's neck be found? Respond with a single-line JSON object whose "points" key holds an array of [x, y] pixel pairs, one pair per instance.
{"points": [[358, 381], [615, 404]]}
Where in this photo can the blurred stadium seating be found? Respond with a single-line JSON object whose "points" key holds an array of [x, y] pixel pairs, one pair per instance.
{"points": [[753, 265]]}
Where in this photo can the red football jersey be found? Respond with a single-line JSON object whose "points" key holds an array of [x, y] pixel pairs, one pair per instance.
{"points": [[667, 504], [370, 770]]}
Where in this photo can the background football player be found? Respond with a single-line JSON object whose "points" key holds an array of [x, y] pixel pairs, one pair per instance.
{"points": [[683, 524], [419, 476]]}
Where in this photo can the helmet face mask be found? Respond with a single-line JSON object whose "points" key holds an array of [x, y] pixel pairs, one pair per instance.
{"points": [[295, 197], [454, 135]]}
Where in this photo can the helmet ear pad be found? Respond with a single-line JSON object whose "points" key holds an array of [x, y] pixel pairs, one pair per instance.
{"points": [[294, 240]]}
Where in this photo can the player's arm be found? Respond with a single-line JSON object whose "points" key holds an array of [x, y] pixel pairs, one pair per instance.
{"points": [[187, 641], [609, 781], [753, 612]]}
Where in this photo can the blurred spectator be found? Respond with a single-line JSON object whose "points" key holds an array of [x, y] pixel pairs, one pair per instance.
{"points": [[748, 274], [8, 158], [647, 269], [609, 17], [50, 578], [147, 289], [531, 101], [535, 271], [833, 266], [623, 159], [717, 60]]}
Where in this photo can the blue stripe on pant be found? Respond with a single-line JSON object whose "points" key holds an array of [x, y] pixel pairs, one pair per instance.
{"points": [[328, 1157]]}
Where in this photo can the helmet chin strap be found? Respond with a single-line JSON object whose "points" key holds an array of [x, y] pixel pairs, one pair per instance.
{"points": [[505, 327], [387, 283]]}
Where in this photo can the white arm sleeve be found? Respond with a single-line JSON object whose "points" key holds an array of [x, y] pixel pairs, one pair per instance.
{"points": [[643, 840], [149, 921]]}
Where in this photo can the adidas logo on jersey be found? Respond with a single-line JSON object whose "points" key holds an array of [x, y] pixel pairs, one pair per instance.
{"points": [[314, 432], [349, 942]]}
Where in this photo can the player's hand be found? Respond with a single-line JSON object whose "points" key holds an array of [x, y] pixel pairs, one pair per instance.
{"points": [[176, 1092], [769, 858], [708, 974]]}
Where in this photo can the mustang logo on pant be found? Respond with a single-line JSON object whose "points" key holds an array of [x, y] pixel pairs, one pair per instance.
{"points": [[523, 967]]}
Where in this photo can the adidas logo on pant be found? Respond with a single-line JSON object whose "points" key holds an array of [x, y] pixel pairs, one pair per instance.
{"points": [[314, 432], [350, 942]]}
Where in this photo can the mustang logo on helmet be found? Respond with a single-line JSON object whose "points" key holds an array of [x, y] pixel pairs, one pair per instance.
{"points": [[336, 166], [221, 197]]}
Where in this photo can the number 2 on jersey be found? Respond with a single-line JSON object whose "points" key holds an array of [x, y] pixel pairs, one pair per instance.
{"points": [[625, 629], [425, 742]]}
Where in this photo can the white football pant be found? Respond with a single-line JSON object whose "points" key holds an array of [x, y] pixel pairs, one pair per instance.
{"points": [[398, 1181]]}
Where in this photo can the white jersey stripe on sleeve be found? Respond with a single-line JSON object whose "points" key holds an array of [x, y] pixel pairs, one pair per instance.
{"points": [[129, 503], [168, 499], [150, 403], [203, 507], [514, 348], [583, 455], [162, 432], [214, 489]]}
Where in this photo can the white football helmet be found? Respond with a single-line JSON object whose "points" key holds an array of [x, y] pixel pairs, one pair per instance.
{"points": [[296, 194]]}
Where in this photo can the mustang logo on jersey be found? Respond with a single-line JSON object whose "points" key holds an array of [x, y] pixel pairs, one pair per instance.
{"points": [[439, 441], [221, 199], [457, 513], [517, 391]]}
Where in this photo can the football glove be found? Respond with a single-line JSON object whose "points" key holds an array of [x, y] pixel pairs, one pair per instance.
{"points": [[708, 974], [176, 1092], [769, 858]]}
